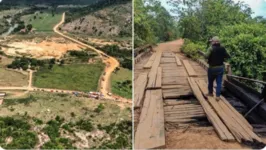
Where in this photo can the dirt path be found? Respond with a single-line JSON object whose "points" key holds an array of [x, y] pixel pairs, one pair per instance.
{"points": [[30, 80], [111, 62]]}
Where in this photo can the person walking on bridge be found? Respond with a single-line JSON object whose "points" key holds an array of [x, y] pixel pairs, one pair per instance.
{"points": [[216, 56]]}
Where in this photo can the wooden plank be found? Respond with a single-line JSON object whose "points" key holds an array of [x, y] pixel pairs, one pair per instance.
{"points": [[170, 102], [191, 72], [184, 112], [150, 130], [139, 89], [180, 94], [175, 74], [148, 65], [178, 62], [218, 125], [168, 60], [168, 65], [158, 83], [182, 89], [239, 128], [153, 72], [231, 108], [184, 116], [175, 81], [172, 66], [181, 120], [171, 86]]}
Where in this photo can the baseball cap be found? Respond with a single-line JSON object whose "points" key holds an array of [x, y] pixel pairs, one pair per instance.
{"points": [[215, 38]]}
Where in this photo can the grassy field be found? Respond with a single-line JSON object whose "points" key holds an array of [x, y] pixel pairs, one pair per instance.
{"points": [[119, 85], [46, 106], [43, 22], [11, 78], [81, 77], [68, 117]]}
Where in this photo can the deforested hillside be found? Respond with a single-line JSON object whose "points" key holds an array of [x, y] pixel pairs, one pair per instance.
{"points": [[114, 20]]}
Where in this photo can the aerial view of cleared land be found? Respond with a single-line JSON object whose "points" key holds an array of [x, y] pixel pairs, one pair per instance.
{"points": [[65, 74]]}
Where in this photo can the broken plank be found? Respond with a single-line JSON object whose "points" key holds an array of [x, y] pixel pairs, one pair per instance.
{"points": [[218, 125], [151, 122], [191, 72], [232, 121]]}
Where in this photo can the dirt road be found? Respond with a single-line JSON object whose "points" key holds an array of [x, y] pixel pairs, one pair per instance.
{"points": [[111, 62]]}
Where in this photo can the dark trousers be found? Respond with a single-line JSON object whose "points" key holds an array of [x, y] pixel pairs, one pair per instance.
{"points": [[215, 74]]}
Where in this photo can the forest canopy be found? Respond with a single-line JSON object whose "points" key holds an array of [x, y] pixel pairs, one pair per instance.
{"points": [[153, 23]]}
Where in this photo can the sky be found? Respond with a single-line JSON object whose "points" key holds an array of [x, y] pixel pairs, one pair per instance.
{"points": [[257, 6]]}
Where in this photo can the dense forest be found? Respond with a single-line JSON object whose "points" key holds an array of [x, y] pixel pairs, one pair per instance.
{"points": [[153, 23]]}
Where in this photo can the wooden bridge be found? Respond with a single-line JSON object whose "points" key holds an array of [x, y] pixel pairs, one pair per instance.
{"points": [[169, 92]]}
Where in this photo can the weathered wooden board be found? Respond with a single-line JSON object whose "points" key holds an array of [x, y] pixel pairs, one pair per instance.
{"points": [[191, 72], [182, 120], [238, 128], [178, 62], [178, 102], [177, 112], [168, 65], [174, 81], [148, 65], [150, 131], [177, 93], [178, 73], [158, 83], [184, 116], [171, 86], [168, 54], [167, 60], [153, 72], [139, 89], [218, 125], [171, 67]]}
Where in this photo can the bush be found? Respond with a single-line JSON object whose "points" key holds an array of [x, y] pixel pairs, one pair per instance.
{"points": [[246, 45], [19, 130], [85, 125], [191, 49], [99, 108]]}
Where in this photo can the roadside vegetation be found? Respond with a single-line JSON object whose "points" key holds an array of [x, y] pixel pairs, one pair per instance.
{"points": [[241, 34], [122, 83], [64, 122], [123, 56]]}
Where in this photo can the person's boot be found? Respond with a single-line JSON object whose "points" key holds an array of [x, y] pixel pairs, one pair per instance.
{"points": [[209, 94], [218, 98]]}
